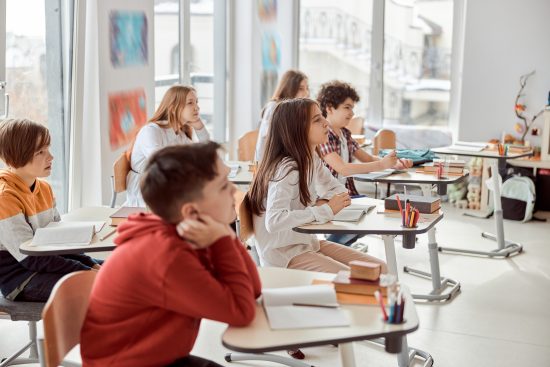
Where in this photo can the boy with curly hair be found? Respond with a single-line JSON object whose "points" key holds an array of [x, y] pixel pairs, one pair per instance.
{"points": [[337, 100]]}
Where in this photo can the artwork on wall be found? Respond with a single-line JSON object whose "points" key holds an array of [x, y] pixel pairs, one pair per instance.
{"points": [[271, 51], [267, 10], [128, 37], [127, 114]]}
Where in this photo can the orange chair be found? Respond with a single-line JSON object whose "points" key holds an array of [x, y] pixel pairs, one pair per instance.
{"points": [[384, 139], [118, 180], [356, 126], [247, 146], [63, 317]]}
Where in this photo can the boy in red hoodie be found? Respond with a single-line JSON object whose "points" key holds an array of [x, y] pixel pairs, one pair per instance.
{"points": [[171, 268]]}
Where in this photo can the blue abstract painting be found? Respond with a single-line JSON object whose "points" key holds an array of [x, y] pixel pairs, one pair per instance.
{"points": [[128, 38]]}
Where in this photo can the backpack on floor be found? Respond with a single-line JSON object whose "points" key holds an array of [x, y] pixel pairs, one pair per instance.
{"points": [[518, 198]]}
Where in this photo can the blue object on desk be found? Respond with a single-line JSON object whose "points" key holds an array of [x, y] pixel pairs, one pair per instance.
{"points": [[358, 196], [418, 156]]}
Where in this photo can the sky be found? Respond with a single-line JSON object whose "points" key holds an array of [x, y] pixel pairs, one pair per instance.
{"points": [[26, 18]]}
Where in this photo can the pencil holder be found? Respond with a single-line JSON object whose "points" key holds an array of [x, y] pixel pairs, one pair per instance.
{"points": [[393, 344], [442, 188], [409, 240], [394, 323]]}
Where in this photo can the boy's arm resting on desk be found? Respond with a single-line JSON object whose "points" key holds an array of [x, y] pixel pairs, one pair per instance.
{"points": [[347, 169], [192, 290], [251, 267], [279, 216]]}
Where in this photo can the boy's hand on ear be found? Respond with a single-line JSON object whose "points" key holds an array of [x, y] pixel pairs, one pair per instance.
{"points": [[202, 233], [339, 202], [389, 161]]}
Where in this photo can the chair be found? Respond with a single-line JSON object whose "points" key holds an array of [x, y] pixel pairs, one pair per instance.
{"points": [[356, 125], [384, 139], [118, 180], [247, 146], [22, 311], [63, 317]]}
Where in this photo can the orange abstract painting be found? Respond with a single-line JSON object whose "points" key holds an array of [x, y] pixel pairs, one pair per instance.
{"points": [[127, 114]]}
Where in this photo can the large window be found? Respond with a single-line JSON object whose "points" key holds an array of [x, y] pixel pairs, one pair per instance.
{"points": [[200, 61], [335, 43], [34, 73]]}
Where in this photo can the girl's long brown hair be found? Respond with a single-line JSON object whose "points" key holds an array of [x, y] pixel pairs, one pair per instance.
{"points": [[287, 140], [170, 109], [288, 86]]}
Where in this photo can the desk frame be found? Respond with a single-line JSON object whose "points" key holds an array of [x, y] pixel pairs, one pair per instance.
{"points": [[438, 282], [504, 247], [407, 354]]}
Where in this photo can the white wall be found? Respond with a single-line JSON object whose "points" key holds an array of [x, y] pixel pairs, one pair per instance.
{"points": [[504, 39]]}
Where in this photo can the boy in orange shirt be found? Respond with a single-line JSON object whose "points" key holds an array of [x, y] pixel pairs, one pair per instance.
{"points": [[171, 268]]}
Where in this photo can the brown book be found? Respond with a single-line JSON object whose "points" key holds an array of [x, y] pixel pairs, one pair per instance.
{"points": [[364, 270], [424, 204], [451, 163], [431, 167], [351, 299], [343, 283], [121, 215]]}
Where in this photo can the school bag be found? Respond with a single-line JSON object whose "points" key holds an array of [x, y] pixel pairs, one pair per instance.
{"points": [[518, 198], [418, 156]]}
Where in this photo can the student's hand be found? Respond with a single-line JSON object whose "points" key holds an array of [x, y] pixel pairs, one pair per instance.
{"points": [[228, 169], [407, 163], [389, 161], [197, 125], [339, 202], [96, 267], [202, 233], [321, 202]]}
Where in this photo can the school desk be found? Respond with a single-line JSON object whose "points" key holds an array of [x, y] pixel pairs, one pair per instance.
{"points": [[386, 225], [366, 324], [426, 182], [91, 214], [505, 247], [244, 176]]}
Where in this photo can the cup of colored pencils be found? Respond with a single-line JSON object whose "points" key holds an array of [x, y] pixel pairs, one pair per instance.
{"points": [[502, 149]]}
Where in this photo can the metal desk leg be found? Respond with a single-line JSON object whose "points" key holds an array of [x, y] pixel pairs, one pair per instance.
{"points": [[346, 354], [438, 282], [406, 356], [505, 247]]}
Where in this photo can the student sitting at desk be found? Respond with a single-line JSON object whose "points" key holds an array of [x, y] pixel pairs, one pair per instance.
{"points": [[27, 203], [293, 84], [292, 188], [148, 300], [172, 124], [336, 100]]}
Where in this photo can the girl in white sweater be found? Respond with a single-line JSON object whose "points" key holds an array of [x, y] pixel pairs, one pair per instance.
{"points": [[172, 124]]}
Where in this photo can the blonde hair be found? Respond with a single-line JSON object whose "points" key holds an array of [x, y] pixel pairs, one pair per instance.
{"points": [[170, 109]]}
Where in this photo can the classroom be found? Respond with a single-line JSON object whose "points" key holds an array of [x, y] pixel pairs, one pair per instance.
{"points": [[303, 183]]}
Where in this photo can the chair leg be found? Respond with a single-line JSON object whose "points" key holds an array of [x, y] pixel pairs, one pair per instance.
{"points": [[33, 357], [388, 192]]}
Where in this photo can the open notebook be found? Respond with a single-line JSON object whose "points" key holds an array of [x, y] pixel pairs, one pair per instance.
{"points": [[377, 174], [66, 234], [282, 314], [234, 170], [468, 147], [353, 213]]}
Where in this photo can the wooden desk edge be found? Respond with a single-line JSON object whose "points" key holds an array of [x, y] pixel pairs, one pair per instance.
{"points": [[391, 334], [66, 251], [382, 233]]}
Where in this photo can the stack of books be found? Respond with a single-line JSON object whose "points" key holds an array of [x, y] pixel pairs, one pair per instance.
{"points": [[518, 149], [424, 204], [452, 166], [362, 278]]}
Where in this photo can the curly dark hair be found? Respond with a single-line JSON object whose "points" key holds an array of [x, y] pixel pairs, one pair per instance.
{"points": [[334, 93]]}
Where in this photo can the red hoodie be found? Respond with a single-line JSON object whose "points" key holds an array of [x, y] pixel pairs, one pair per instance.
{"points": [[148, 299]]}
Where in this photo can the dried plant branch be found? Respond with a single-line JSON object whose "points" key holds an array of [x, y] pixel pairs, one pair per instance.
{"points": [[523, 82]]}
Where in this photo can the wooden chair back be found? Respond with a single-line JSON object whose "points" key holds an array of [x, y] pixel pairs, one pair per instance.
{"points": [[356, 125], [64, 315], [120, 170], [247, 146], [384, 139], [246, 224]]}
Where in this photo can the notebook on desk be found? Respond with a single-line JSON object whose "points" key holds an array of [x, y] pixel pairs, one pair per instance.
{"points": [[66, 234], [282, 314], [353, 213], [377, 174], [234, 170]]}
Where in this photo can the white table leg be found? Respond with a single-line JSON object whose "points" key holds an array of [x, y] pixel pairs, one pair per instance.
{"points": [[390, 254], [346, 354]]}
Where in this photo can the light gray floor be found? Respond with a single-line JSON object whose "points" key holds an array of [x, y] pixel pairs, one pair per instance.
{"points": [[501, 316]]}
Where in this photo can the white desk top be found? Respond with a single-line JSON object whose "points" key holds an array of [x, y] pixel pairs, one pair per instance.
{"points": [[420, 178], [244, 176], [94, 213], [373, 223], [366, 321], [484, 153]]}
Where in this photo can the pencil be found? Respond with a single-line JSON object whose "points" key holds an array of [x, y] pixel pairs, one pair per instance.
{"points": [[399, 203], [314, 305], [108, 234]]}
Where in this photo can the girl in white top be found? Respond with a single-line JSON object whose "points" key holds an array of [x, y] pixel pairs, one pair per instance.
{"points": [[292, 187], [172, 124], [293, 84]]}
